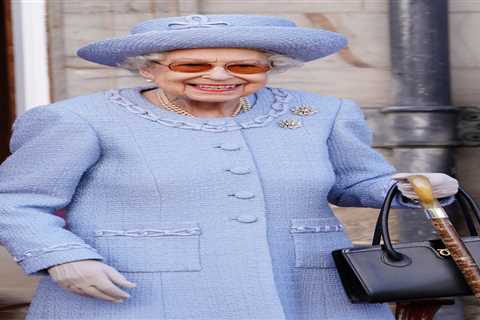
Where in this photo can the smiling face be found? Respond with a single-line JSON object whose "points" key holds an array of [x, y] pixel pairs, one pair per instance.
{"points": [[216, 85]]}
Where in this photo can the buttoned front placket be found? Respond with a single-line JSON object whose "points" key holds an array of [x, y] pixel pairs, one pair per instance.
{"points": [[244, 181], [245, 211]]}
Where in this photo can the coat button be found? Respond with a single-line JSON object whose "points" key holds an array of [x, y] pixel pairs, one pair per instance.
{"points": [[229, 146], [239, 170], [243, 195], [246, 218]]}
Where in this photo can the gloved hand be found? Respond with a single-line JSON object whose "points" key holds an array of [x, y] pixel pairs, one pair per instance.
{"points": [[442, 184], [91, 278]]}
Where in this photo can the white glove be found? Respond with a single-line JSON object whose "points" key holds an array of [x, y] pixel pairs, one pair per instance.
{"points": [[442, 184], [91, 278]]}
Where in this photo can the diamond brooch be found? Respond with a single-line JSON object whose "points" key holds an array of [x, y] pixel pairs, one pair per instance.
{"points": [[289, 124], [303, 110]]}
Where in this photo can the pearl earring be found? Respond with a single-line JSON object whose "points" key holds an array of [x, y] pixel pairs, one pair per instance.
{"points": [[148, 80]]}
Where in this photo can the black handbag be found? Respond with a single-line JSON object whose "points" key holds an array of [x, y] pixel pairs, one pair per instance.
{"points": [[405, 271]]}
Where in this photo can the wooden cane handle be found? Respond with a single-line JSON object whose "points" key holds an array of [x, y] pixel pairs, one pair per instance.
{"points": [[449, 236]]}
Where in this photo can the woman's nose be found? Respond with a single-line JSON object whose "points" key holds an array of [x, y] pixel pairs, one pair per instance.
{"points": [[219, 73]]}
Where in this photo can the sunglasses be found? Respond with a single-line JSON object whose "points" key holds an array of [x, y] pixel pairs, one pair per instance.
{"points": [[233, 67]]}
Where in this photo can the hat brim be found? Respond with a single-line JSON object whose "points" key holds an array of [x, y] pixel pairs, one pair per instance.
{"points": [[304, 44]]}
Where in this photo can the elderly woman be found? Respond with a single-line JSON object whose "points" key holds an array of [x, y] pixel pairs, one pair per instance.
{"points": [[201, 196]]}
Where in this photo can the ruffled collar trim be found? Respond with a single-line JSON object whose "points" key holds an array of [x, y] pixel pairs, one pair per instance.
{"points": [[268, 104]]}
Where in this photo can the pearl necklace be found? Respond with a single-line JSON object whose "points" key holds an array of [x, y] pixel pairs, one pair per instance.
{"points": [[243, 106]]}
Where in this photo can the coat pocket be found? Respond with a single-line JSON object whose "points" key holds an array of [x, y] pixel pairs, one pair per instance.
{"points": [[172, 247], [315, 239]]}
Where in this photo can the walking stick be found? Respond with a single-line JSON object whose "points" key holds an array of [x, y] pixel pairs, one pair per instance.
{"points": [[452, 241]]}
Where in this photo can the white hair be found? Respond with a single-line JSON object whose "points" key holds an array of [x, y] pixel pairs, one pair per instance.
{"points": [[280, 63]]}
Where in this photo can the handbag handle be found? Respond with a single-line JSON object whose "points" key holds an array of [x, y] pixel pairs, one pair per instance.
{"points": [[463, 198], [382, 230]]}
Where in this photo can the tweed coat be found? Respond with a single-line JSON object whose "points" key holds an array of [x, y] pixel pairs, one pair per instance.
{"points": [[213, 218]]}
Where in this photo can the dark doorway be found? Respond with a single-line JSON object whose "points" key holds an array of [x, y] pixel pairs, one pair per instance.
{"points": [[7, 89]]}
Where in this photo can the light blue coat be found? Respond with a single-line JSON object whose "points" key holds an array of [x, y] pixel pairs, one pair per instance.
{"points": [[213, 218]]}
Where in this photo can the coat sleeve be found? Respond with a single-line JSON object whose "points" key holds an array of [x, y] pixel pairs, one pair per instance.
{"points": [[51, 149], [363, 176]]}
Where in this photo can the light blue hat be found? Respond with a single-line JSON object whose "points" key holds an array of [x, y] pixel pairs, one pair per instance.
{"points": [[271, 34]]}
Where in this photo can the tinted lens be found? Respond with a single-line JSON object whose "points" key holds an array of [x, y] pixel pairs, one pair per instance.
{"points": [[190, 67], [248, 68]]}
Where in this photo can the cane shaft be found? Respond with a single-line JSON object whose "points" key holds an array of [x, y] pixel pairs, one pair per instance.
{"points": [[449, 236], [460, 254]]}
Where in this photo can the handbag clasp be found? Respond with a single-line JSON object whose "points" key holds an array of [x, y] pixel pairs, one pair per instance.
{"points": [[444, 252]]}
